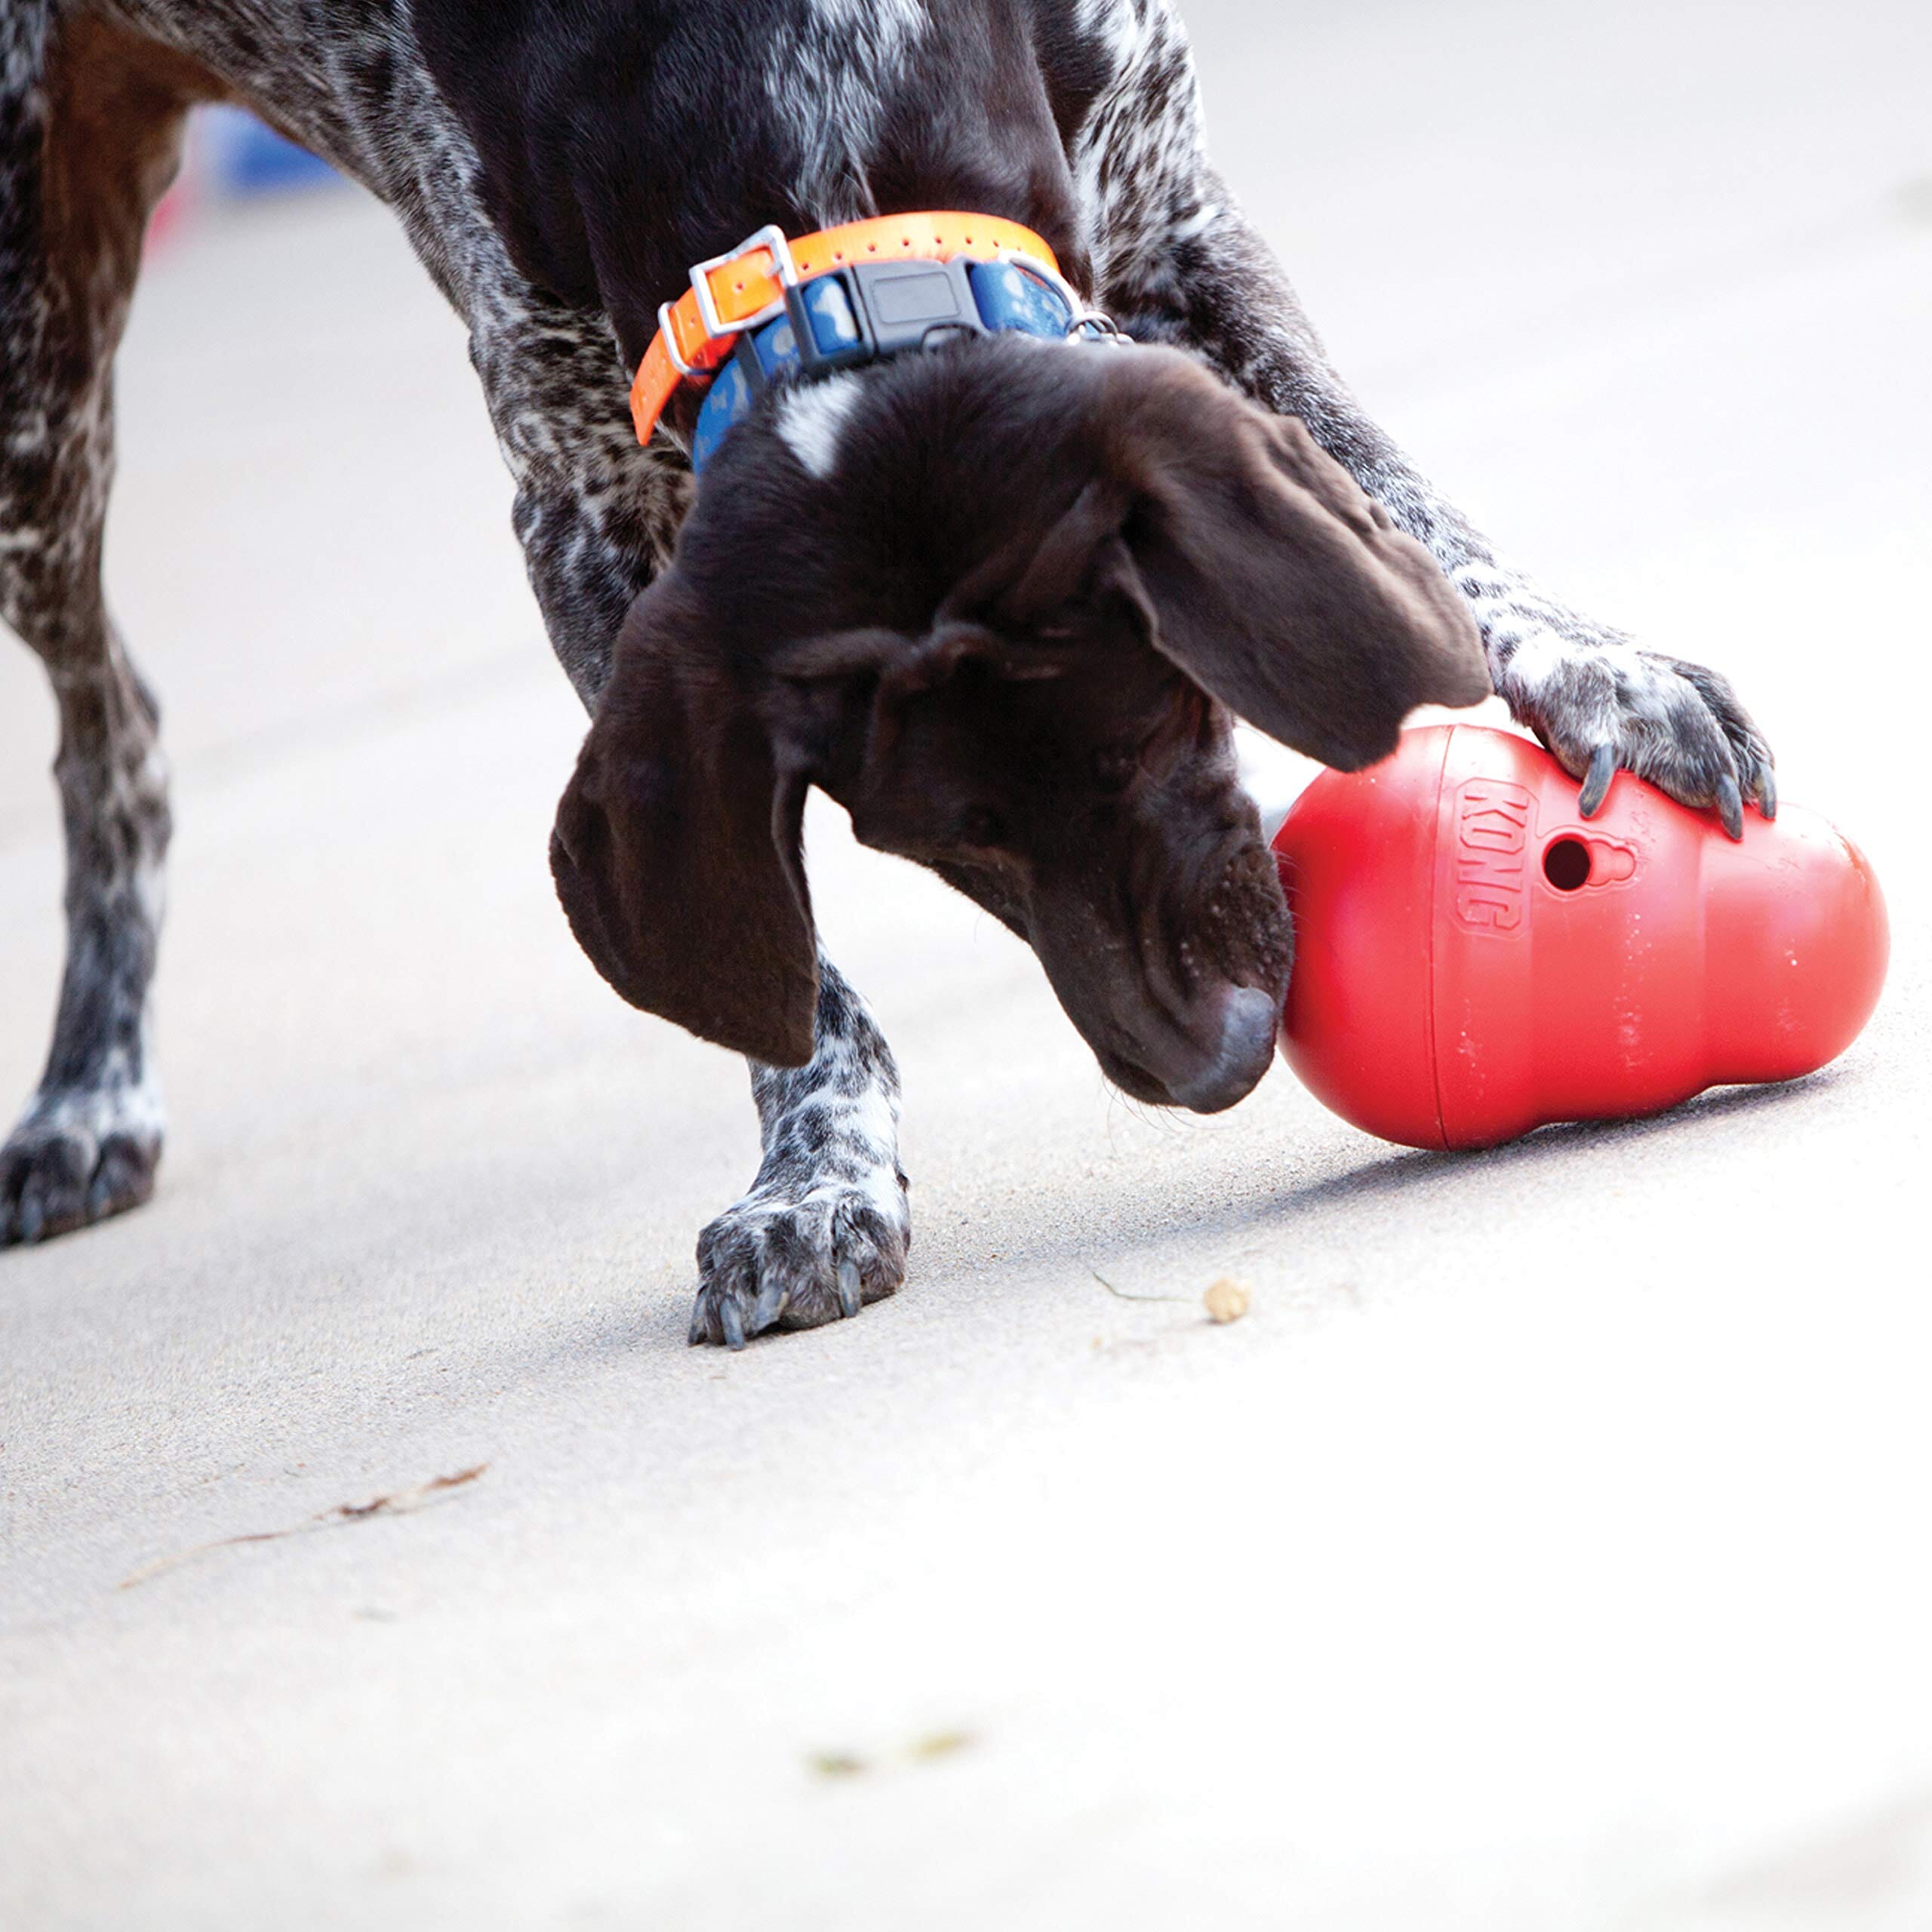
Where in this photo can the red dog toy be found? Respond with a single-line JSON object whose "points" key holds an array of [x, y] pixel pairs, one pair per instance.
{"points": [[1473, 958]]}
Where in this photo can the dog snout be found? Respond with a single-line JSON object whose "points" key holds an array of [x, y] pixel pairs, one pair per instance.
{"points": [[1239, 1059]]}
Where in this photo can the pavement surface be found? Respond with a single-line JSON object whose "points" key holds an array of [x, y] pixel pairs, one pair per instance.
{"points": [[1548, 1548]]}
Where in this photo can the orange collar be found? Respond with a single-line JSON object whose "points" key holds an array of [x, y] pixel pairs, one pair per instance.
{"points": [[739, 291]]}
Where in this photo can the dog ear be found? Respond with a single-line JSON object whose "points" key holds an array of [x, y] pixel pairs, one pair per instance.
{"points": [[1273, 582], [677, 851]]}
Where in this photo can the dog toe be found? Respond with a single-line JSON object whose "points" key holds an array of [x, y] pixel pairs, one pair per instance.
{"points": [[773, 1264], [55, 1180]]}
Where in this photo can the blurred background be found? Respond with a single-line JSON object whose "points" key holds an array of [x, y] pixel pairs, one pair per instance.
{"points": [[1547, 1549]]}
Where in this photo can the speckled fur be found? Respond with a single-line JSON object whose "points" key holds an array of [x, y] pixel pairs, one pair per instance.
{"points": [[826, 1226], [88, 1141], [1161, 243], [595, 515], [1176, 261]]}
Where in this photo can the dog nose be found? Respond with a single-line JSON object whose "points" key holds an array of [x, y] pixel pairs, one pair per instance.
{"points": [[1248, 1021]]}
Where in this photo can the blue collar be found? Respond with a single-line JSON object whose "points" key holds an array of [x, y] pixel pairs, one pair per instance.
{"points": [[869, 311]]}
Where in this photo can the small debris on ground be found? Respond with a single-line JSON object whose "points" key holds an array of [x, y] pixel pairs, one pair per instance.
{"points": [[929, 1749], [1228, 1300], [1121, 1294], [938, 1744], [401, 1503]]}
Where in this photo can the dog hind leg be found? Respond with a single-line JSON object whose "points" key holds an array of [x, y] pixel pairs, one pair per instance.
{"points": [[90, 123]]}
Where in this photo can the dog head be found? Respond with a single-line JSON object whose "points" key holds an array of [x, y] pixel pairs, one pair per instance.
{"points": [[1002, 601]]}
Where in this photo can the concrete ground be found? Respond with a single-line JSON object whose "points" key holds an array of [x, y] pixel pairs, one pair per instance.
{"points": [[1547, 1550]]}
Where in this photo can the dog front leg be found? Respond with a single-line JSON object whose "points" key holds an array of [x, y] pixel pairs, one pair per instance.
{"points": [[1212, 286], [826, 1226]]}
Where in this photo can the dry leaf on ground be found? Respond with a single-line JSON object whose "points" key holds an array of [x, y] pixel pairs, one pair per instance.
{"points": [[401, 1503]]}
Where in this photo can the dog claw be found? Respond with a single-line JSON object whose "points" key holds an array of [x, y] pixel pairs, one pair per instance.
{"points": [[772, 1302], [1730, 806], [1767, 792], [772, 1265], [1596, 780]]}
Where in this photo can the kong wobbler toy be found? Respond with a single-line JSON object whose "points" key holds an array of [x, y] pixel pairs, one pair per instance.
{"points": [[1474, 958]]}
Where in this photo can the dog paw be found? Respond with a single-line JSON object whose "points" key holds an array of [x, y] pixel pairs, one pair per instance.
{"points": [[1603, 708], [785, 1259], [75, 1159]]}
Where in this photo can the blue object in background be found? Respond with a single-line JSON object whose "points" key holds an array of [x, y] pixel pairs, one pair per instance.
{"points": [[248, 159]]}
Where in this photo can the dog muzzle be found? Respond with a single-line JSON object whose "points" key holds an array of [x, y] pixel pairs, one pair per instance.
{"points": [[773, 310]]}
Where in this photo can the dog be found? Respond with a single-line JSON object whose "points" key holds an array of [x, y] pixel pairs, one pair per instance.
{"points": [[1000, 597]]}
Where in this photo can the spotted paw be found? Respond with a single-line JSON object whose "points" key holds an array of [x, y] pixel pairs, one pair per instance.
{"points": [[75, 1159], [781, 1259], [1604, 708]]}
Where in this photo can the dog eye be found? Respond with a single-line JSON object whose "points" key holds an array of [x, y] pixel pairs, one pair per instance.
{"points": [[1115, 765], [981, 826]]}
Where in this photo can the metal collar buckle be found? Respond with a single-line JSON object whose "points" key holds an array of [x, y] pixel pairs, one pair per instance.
{"points": [[771, 239]]}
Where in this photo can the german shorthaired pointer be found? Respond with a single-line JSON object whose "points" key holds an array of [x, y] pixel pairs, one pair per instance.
{"points": [[998, 598]]}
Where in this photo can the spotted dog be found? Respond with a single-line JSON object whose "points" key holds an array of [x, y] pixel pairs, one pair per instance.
{"points": [[998, 598]]}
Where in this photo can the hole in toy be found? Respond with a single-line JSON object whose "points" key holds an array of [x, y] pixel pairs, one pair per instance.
{"points": [[1567, 865]]}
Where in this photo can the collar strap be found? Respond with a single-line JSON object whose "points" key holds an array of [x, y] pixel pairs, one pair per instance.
{"points": [[749, 286], [865, 313]]}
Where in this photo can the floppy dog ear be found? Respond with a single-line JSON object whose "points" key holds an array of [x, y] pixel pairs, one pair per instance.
{"points": [[677, 851], [1275, 582]]}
